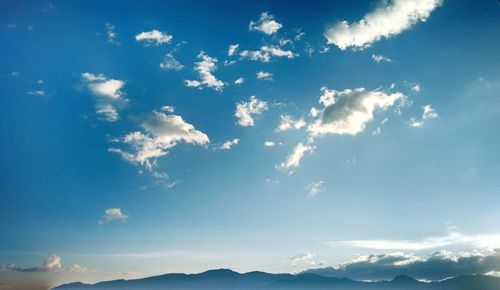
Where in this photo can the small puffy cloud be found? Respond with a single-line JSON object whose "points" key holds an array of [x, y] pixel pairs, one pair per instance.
{"points": [[161, 132], [205, 67], [427, 114], [293, 160], [416, 88], [113, 214], [269, 143], [316, 187], [37, 93], [287, 123], [232, 49], [229, 143], [436, 266], [52, 264], [266, 52], [263, 75], [239, 81], [348, 111], [388, 19], [170, 63], [380, 58], [154, 37], [247, 111], [108, 92], [111, 34], [266, 24]]}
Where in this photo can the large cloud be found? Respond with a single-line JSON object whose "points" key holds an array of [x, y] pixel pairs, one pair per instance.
{"points": [[205, 67], [108, 92], [388, 19], [161, 132], [437, 266], [348, 111]]}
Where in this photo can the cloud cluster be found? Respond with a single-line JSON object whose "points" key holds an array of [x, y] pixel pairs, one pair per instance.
{"points": [[266, 24], [437, 266], [161, 132], [287, 123], [229, 143], [108, 92], [348, 111], [154, 37], [388, 19], [52, 264], [266, 52], [427, 114], [205, 67], [247, 111]]}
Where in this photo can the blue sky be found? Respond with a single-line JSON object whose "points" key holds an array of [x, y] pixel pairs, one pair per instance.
{"points": [[114, 118]]}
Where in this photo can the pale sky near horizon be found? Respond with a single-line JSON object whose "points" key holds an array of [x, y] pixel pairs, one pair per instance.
{"points": [[147, 138]]}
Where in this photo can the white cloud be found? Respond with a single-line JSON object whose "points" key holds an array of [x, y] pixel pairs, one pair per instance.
{"points": [[316, 187], [232, 49], [247, 111], [269, 143], [161, 132], [436, 266], [266, 24], [37, 92], [112, 214], [380, 58], [154, 37], [378, 130], [427, 114], [109, 94], [229, 143], [239, 81], [416, 88], [52, 264], [287, 123], [488, 242], [304, 260], [170, 63], [388, 19], [111, 34], [348, 111], [293, 160], [265, 53], [262, 75], [205, 67]]}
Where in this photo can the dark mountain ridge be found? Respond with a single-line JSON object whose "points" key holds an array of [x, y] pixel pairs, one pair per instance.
{"points": [[223, 279]]}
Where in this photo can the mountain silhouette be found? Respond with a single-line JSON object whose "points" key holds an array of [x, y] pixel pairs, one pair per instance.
{"points": [[224, 279]]}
